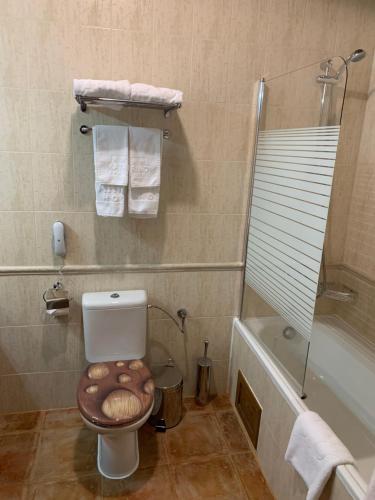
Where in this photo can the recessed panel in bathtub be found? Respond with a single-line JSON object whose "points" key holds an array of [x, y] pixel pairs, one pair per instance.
{"points": [[248, 408]]}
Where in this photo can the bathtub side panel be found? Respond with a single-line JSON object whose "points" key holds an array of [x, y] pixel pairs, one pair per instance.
{"points": [[276, 425]]}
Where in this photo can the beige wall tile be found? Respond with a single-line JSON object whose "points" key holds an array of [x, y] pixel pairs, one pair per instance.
{"points": [[249, 21], [18, 241], [53, 10], [132, 15], [201, 232], [209, 70], [13, 53], [239, 132], [285, 21], [171, 64], [9, 8], [16, 187], [53, 182], [319, 24], [84, 182], [14, 118], [243, 71], [209, 293], [47, 47], [19, 304], [173, 18], [50, 123], [38, 391], [96, 13], [92, 56], [132, 56], [212, 19], [42, 348], [204, 127], [205, 186]]}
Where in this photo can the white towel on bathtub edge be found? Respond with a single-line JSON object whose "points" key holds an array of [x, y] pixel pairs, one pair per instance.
{"points": [[315, 451], [370, 495]]}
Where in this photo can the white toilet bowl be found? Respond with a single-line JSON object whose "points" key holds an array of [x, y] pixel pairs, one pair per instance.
{"points": [[118, 451]]}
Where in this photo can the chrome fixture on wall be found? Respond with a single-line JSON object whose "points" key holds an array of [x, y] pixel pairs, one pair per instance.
{"points": [[328, 80], [332, 76]]}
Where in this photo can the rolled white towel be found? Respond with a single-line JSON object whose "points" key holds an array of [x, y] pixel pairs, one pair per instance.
{"points": [[158, 95], [112, 89]]}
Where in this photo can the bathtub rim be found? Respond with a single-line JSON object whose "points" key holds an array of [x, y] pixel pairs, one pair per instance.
{"points": [[348, 474]]}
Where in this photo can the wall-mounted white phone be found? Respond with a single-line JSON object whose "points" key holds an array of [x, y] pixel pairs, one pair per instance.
{"points": [[58, 239]]}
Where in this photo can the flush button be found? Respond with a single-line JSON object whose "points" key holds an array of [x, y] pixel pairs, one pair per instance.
{"points": [[115, 295]]}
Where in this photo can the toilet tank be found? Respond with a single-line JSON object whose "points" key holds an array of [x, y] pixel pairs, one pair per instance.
{"points": [[114, 325]]}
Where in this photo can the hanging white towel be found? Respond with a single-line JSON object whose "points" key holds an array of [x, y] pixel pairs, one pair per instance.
{"points": [[110, 200], [157, 95], [145, 148], [110, 143], [314, 451], [111, 161], [370, 495], [112, 89]]}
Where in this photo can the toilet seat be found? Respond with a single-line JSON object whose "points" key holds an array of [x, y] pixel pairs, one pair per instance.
{"points": [[115, 393]]}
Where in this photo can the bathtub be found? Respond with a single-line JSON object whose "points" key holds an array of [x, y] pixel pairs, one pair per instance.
{"points": [[338, 366]]}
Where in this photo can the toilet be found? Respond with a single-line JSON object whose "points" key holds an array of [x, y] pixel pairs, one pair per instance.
{"points": [[116, 392]]}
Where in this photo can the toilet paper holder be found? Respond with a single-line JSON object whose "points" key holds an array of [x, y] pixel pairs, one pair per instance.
{"points": [[57, 300]]}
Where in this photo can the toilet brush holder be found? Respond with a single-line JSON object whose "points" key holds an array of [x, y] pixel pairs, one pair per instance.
{"points": [[203, 378]]}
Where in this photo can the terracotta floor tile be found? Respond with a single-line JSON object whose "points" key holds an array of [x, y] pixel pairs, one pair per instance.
{"points": [[87, 488], [152, 450], [18, 422], [251, 477], [221, 402], [151, 484], [62, 419], [65, 454], [215, 478], [17, 453], [231, 431], [191, 406], [197, 435], [14, 491]]}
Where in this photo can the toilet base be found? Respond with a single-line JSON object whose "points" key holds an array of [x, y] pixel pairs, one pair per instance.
{"points": [[118, 455]]}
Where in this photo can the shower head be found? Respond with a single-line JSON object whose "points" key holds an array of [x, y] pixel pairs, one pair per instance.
{"points": [[356, 56], [332, 77]]}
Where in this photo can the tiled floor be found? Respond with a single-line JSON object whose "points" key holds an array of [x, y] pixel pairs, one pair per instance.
{"points": [[51, 456]]}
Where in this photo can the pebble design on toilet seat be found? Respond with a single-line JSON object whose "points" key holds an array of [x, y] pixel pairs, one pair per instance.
{"points": [[121, 394]]}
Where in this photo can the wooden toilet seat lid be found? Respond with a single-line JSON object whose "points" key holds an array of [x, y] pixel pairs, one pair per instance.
{"points": [[115, 393]]}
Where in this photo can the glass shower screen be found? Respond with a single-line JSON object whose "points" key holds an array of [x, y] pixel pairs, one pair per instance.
{"points": [[289, 209], [292, 177]]}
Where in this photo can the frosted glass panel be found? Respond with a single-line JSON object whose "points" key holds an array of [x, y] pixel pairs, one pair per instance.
{"points": [[289, 209]]}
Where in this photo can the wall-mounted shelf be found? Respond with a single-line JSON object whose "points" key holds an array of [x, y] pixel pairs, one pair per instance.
{"points": [[83, 101]]}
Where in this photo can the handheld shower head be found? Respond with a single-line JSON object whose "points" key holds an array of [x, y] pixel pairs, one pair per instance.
{"points": [[356, 56], [330, 76]]}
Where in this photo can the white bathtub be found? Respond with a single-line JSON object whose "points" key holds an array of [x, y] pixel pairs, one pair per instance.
{"points": [[340, 383]]}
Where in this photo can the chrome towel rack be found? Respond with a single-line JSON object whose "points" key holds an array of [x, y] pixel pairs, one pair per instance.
{"points": [[83, 101], [85, 129]]}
